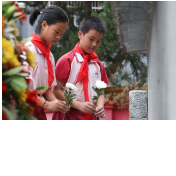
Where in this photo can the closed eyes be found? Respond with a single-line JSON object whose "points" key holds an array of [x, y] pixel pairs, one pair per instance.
{"points": [[58, 33], [92, 40]]}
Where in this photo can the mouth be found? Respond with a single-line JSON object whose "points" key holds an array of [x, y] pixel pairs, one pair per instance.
{"points": [[54, 41], [92, 49]]}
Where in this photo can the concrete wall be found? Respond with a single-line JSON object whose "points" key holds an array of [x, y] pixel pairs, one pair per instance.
{"points": [[162, 62]]}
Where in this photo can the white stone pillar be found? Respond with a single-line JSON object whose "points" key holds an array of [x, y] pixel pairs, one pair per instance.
{"points": [[162, 62], [138, 104]]}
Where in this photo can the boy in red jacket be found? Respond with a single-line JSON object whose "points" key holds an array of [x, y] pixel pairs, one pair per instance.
{"points": [[82, 68]]}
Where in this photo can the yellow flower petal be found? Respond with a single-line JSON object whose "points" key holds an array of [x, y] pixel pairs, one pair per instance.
{"points": [[22, 94], [8, 49], [14, 62], [15, 32], [30, 59]]}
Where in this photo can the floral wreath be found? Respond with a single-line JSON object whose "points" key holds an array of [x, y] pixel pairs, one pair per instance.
{"points": [[18, 101]]}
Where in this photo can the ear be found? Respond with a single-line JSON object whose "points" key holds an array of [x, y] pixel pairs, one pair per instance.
{"points": [[80, 34], [44, 24]]}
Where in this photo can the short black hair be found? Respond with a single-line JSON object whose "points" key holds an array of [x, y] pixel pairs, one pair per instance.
{"points": [[92, 22], [51, 15]]}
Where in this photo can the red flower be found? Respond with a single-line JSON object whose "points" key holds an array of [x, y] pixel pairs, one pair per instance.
{"points": [[14, 104], [32, 99], [23, 14], [37, 101], [30, 112], [19, 10], [4, 117], [28, 81], [4, 88], [13, 3]]}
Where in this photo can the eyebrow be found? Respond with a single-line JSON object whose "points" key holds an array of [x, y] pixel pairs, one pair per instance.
{"points": [[94, 37], [59, 30]]}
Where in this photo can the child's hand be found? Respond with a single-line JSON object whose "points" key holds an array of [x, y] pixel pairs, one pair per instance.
{"points": [[87, 107], [100, 112], [67, 107], [57, 105]]}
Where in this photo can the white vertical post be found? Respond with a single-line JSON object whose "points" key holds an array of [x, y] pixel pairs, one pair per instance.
{"points": [[49, 3], [138, 104], [162, 62]]}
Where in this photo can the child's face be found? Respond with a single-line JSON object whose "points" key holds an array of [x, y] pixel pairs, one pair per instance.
{"points": [[53, 33], [90, 41]]}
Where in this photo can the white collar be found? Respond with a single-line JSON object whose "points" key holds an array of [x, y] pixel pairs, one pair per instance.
{"points": [[80, 58], [38, 49]]}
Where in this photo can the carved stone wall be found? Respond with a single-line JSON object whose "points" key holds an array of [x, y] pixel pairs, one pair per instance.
{"points": [[132, 19]]}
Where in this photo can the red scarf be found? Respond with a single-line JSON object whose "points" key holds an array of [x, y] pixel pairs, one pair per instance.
{"points": [[42, 47], [83, 73]]}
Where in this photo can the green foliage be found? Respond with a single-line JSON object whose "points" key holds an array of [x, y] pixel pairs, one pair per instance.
{"points": [[18, 83], [19, 38], [99, 92], [12, 71], [23, 74], [41, 88], [69, 96], [119, 76], [144, 75], [136, 64]]}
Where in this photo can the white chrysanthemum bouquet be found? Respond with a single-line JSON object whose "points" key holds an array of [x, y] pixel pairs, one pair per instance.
{"points": [[69, 95]]}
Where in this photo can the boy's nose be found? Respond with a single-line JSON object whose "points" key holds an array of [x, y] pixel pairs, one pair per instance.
{"points": [[94, 43], [58, 37]]}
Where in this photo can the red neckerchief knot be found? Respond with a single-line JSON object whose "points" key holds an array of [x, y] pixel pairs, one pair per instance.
{"points": [[42, 47], [84, 72]]}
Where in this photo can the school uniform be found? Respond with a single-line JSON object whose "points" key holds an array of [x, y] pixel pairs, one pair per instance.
{"points": [[67, 70], [39, 76]]}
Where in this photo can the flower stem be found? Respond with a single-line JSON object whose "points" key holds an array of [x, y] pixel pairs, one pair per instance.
{"points": [[95, 106], [64, 116]]}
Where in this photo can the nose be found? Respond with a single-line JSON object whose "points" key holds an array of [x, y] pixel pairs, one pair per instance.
{"points": [[58, 37], [94, 43]]}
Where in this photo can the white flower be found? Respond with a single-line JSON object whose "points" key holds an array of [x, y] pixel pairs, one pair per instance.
{"points": [[21, 5], [8, 34], [71, 86], [100, 84]]}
